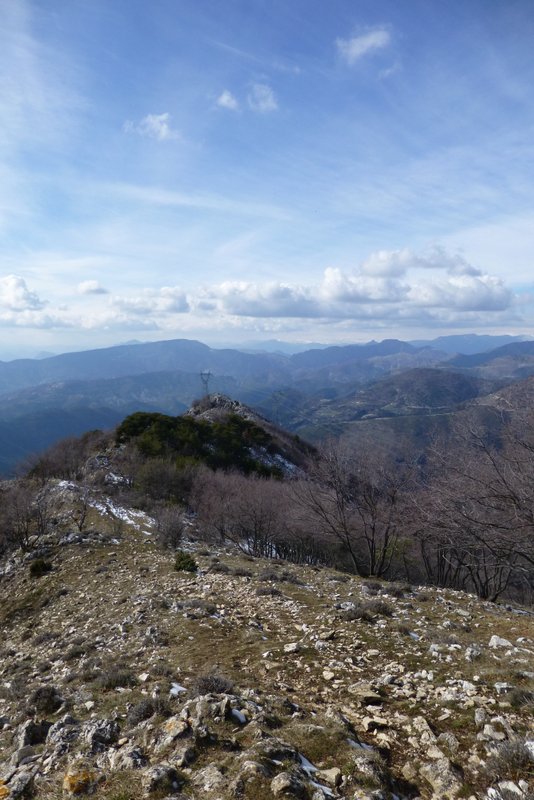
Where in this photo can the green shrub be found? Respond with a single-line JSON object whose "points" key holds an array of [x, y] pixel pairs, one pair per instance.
{"points": [[185, 562]]}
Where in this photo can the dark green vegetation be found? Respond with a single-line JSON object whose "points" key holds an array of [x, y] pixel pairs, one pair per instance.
{"points": [[184, 562], [227, 444]]}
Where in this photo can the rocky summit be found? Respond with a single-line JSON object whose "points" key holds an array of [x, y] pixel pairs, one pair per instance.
{"points": [[130, 671]]}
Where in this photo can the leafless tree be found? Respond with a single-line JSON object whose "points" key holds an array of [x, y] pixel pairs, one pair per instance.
{"points": [[250, 511], [170, 525], [26, 514], [479, 510], [355, 500]]}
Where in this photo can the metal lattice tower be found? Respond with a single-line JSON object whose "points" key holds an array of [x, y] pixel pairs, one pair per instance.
{"points": [[205, 378]]}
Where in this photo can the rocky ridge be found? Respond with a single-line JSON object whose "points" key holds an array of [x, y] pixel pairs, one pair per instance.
{"points": [[124, 678]]}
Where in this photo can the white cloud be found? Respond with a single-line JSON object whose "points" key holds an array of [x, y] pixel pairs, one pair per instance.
{"points": [[264, 300], [261, 98], [153, 126], [91, 287], [227, 100], [361, 288], [167, 300], [463, 293], [15, 295], [388, 285], [423, 290], [351, 50], [398, 262]]}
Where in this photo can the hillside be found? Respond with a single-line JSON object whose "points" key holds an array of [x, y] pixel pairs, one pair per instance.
{"points": [[249, 678], [315, 393]]}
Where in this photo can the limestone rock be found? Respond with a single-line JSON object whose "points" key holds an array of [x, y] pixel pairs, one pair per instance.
{"points": [[497, 641], [287, 783], [100, 734], [161, 778], [444, 781]]}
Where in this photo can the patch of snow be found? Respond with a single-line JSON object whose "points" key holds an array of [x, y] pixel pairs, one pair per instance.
{"points": [[239, 716], [360, 745], [306, 765], [176, 689], [129, 515]]}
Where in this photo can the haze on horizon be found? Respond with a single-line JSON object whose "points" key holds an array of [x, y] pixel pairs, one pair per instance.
{"points": [[248, 170]]}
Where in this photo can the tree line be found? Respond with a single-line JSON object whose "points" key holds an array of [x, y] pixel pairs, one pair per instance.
{"points": [[462, 516]]}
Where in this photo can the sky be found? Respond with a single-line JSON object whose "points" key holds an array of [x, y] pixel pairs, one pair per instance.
{"points": [[303, 170]]}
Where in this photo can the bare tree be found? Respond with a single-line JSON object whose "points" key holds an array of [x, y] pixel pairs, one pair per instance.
{"points": [[170, 525], [354, 500], [479, 510], [249, 511], [26, 514]]}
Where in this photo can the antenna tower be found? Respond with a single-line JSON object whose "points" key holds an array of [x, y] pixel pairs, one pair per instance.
{"points": [[205, 378]]}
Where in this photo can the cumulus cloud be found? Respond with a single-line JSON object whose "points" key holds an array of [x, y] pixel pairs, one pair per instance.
{"points": [[361, 288], [265, 300], [398, 262], [261, 98], [463, 293], [153, 126], [167, 300], [91, 287], [15, 295], [351, 50], [389, 285], [227, 100]]}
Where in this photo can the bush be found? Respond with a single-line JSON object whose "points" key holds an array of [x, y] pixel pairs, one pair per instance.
{"points": [[185, 562], [268, 591], [46, 699], [147, 708], [40, 567], [242, 572], [222, 569], [169, 526], [196, 603], [211, 683], [510, 761], [520, 698], [116, 676]]}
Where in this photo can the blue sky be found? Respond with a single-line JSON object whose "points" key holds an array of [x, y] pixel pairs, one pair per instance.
{"points": [[330, 171]]}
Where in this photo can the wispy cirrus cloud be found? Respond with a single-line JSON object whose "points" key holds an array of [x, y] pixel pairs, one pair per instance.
{"points": [[154, 126], [353, 49]]}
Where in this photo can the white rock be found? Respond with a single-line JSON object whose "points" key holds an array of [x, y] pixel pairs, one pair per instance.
{"points": [[497, 641], [292, 647]]}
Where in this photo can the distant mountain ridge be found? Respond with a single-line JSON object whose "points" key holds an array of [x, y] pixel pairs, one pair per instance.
{"points": [[314, 393]]}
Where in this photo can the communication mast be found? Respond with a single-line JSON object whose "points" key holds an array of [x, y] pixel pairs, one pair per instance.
{"points": [[205, 376]]}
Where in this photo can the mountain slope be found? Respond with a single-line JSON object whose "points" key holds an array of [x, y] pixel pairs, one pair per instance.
{"points": [[123, 677]]}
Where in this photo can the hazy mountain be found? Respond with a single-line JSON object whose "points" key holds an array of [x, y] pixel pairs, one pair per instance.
{"points": [[513, 361], [315, 393], [467, 343], [113, 362]]}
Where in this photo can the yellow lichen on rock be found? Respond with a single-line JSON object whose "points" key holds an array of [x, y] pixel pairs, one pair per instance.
{"points": [[79, 781], [4, 790]]}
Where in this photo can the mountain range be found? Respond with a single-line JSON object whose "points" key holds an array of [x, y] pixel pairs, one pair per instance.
{"points": [[318, 392]]}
